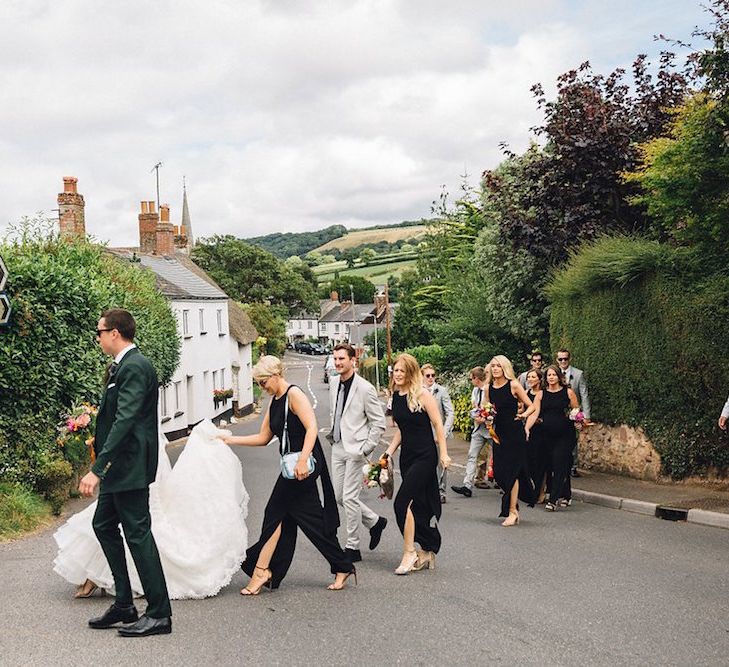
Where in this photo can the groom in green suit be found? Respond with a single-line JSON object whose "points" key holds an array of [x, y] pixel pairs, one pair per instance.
{"points": [[126, 447]]}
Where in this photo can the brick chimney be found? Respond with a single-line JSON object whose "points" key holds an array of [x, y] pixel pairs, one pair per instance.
{"points": [[71, 209], [148, 220], [165, 232]]}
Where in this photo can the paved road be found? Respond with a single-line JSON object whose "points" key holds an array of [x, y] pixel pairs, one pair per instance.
{"points": [[588, 586]]}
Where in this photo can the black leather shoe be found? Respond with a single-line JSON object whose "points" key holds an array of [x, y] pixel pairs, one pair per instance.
{"points": [[114, 615], [463, 490], [354, 555], [146, 626], [376, 532]]}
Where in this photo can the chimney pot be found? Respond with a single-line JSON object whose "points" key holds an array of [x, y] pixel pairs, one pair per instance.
{"points": [[164, 212], [69, 183], [152, 207]]}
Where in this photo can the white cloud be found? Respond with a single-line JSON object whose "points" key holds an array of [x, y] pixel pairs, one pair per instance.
{"points": [[284, 115]]}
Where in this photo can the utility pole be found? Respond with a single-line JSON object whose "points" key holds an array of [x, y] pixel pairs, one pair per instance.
{"points": [[156, 168], [389, 340], [351, 328], [377, 356]]}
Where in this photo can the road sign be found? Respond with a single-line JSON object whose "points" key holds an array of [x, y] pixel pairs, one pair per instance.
{"points": [[3, 274], [4, 309]]}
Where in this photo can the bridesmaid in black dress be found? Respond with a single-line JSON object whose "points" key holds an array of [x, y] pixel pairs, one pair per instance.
{"points": [[538, 451], [294, 503], [553, 406], [417, 503], [511, 466]]}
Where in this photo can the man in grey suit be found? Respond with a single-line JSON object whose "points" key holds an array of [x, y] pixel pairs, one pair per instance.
{"points": [[576, 379], [447, 414], [479, 451], [536, 361], [358, 422]]}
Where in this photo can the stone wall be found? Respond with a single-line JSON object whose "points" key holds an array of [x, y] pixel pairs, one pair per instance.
{"points": [[619, 449]]}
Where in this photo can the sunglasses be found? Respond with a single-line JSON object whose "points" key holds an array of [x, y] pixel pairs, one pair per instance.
{"points": [[101, 331], [537, 361], [563, 358], [430, 375]]}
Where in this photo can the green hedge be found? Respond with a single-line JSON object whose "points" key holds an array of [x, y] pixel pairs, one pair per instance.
{"points": [[655, 354], [49, 358]]}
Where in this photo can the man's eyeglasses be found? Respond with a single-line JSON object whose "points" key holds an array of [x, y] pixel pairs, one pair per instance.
{"points": [[563, 358], [430, 375], [538, 360], [101, 331]]}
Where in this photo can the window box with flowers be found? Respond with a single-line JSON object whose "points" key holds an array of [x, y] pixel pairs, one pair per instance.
{"points": [[221, 396]]}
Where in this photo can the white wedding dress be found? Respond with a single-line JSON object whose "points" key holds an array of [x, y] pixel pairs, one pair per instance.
{"points": [[198, 511]]}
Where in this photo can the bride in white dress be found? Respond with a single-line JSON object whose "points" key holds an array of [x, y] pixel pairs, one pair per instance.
{"points": [[198, 511]]}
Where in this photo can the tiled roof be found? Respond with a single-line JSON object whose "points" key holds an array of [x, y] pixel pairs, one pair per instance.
{"points": [[175, 279]]}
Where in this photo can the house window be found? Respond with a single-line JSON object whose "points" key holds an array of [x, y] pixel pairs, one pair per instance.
{"points": [[186, 323], [336, 328], [202, 321], [323, 326], [309, 325], [220, 321], [165, 411], [178, 397], [215, 380]]}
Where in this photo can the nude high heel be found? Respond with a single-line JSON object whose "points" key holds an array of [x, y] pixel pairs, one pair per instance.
{"points": [[409, 565], [426, 561], [87, 590], [334, 587], [511, 520], [266, 582]]}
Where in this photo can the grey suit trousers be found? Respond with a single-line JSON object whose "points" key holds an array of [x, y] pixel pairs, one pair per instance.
{"points": [[347, 479]]}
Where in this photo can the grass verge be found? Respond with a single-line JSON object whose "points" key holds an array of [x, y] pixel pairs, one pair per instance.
{"points": [[21, 511]]}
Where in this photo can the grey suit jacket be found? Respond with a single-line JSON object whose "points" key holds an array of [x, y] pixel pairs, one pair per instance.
{"points": [[363, 419], [447, 413], [578, 383], [522, 379]]}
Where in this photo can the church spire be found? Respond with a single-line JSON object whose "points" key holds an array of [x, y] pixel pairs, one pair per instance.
{"points": [[186, 224]]}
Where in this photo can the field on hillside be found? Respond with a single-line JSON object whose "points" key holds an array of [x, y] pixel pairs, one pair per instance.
{"points": [[376, 274], [355, 238]]}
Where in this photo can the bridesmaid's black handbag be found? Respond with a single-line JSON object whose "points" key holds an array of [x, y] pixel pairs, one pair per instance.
{"points": [[289, 459]]}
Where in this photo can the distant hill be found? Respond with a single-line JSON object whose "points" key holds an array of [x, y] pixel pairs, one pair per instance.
{"points": [[336, 238], [375, 235], [285, 244]]}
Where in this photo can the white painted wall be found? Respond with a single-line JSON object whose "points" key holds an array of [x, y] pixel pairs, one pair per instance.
{"points": [[242, 356], [297, 328], [205, 364]]}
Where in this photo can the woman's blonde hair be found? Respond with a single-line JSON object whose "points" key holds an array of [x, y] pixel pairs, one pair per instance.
{"points": [[267, 366], [413, 380], [505, 364]]}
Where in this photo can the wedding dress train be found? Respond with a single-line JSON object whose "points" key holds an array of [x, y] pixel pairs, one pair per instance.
{"points": [[198, 511]]}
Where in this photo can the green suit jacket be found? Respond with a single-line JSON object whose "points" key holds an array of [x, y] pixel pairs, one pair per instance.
{"points": [[126, 444]]}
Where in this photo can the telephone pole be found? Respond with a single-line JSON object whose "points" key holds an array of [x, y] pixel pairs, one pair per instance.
{"points": [[156, 168]]}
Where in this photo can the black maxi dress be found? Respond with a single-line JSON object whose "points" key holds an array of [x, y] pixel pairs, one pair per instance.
{"points": [[296, 504], [539, 453], [510, 455], [419, 470], [559, 432]]}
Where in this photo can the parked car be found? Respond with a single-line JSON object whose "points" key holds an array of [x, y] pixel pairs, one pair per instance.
{"points": [[318, 348], [303, 348]]}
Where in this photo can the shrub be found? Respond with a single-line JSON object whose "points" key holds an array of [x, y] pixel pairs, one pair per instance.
{"points": [[21, 510], [654, 352], [428, 354], [462, 409], [49, 359]]}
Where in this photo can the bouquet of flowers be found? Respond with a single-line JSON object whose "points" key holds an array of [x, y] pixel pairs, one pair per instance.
{"points": [[379, 474], [578, 417], [485, 412], [76, 433]]}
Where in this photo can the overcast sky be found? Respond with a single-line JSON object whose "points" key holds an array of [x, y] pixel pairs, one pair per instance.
{"points": [[284, 115]]}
